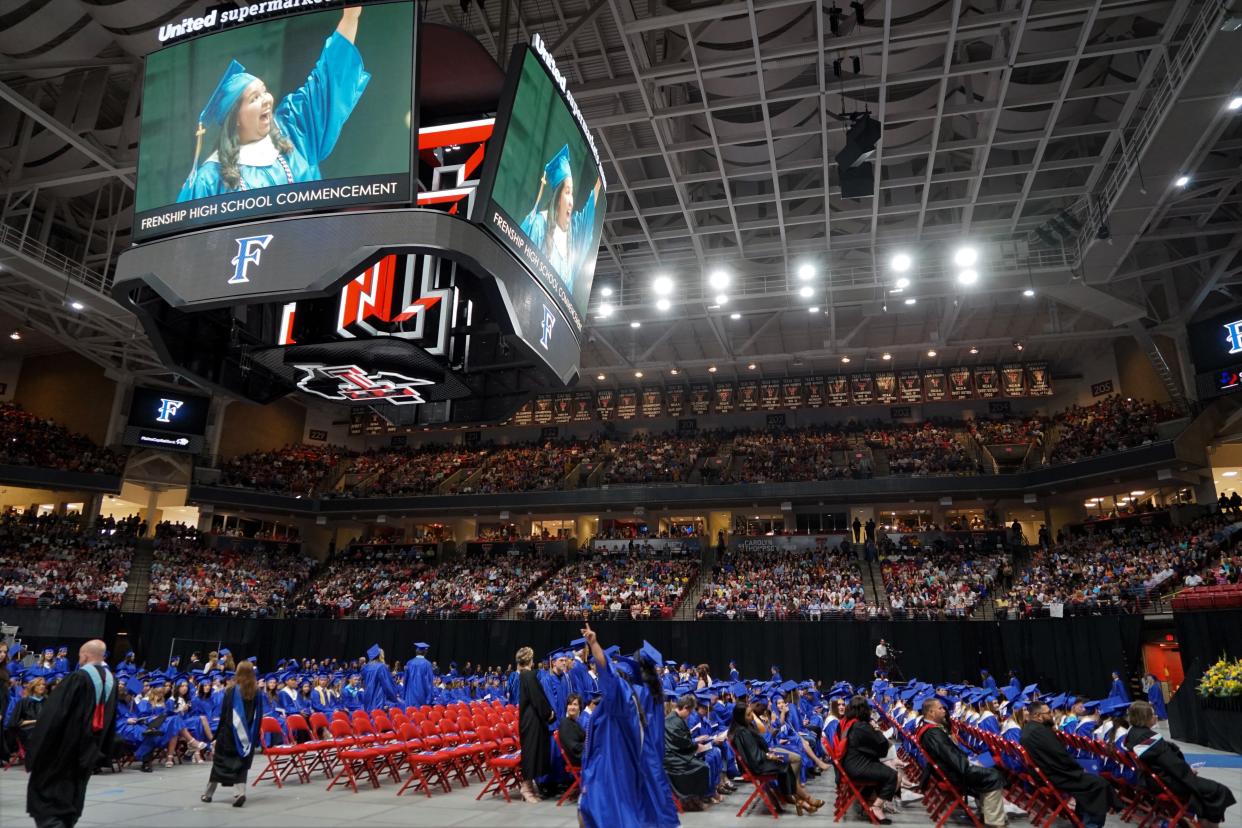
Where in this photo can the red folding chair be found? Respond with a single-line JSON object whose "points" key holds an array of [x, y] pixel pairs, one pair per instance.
{"points": [[761, 783], [1163, 806], [282, 759], [575, 771], [356, 760]]}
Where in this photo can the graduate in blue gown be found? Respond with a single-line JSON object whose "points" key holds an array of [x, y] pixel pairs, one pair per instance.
{"points": [[989, 683], [263, 143], [61, 664], [351, 694], [418, 678], [378, 688], [1155, 695], [579, 678], [1118, 690], [562, 234]]}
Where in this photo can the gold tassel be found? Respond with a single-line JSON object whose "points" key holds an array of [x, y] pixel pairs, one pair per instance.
{"points": [[198, 146]]}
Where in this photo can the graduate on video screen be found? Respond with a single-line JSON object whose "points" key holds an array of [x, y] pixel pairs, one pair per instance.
{"points": [[563, 235], [263, 143]]}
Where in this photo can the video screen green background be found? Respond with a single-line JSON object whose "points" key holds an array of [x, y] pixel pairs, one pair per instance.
{"points": [[179, 80], [539, 125]]}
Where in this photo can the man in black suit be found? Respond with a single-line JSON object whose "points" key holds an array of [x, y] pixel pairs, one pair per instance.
{"points": [[1094, 795]]}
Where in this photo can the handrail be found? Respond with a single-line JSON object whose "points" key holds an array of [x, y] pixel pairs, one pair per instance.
{"points": [[26, 246]]}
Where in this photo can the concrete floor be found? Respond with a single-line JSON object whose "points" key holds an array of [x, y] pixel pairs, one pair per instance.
{"points": [[169, 797]]}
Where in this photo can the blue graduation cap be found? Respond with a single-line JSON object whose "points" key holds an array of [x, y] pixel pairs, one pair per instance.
{"points": [[14, 650], [1011, 693], [555, 171], [373, 652], [670, 695], [629, 668], [229, 88], [1029, 689], [578, 643], [612, 651], [1114, 706], [252, 659], [156, 683], [134, 686], [738, 689], [223, 651], [421, 645], [704, 697], [788, 686], [1091, 705], [650, 653], [671, 663]]}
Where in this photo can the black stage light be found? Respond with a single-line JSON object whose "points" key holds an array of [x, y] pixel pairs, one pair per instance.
{"points": [[836, 67], [857, 61], [834, 19], [860, 141]]}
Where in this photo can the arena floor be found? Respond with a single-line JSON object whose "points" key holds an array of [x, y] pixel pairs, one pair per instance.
{"points": [[170, 798]]}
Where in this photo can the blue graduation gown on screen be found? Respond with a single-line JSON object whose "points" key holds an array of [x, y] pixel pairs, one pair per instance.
{"points": [[379, 690], [310, 117], [418, 682], [581, 231]]}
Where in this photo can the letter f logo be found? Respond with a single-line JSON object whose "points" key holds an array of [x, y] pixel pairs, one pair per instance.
{"points": [[549, 322], [168, 409], [249, 249], [1233, 335]]}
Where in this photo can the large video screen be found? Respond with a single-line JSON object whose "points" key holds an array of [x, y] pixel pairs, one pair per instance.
{"points": [[295, 113], [167, 410], [547, 192]]}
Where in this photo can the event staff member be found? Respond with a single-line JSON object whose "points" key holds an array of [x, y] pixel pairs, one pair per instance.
{"points": [[419, 681], [881, 653], [1093, 795], [1208, 798], [687, 772], [571, 732], [986, 784], [534, 714], [865, 748], [73, 734], [237, 737], [753, 752], [25, 714]]}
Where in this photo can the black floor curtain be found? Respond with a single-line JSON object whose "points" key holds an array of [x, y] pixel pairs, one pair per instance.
{"points": [[1203, 638]]}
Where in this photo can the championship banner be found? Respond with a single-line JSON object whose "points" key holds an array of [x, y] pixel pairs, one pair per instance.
{"points": [[862, 389], [1039, 381], [934, 385], [605, 404], [885, 387], [910, 387], [358, 416], [770, 394], [959, 383], [793, 393], [838, 391], [747, 395], [374, 424], [524, 415], [653, 401], [814, 392], [563, 407], [700, 398], [1013, 379], [726, 397], [582, 406], [627, 404], [675, 400], [543, 409], [987, 382]]}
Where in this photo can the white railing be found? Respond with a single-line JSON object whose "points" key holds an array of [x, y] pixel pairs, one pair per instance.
{"points": [[36, 251]]}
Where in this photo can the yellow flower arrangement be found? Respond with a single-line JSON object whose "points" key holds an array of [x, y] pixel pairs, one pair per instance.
{"points": [[1222, 680]]}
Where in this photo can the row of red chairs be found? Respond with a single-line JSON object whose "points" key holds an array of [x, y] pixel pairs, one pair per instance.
{"points": [[1216, 596]]}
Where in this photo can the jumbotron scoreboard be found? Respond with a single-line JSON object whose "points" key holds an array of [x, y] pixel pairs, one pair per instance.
{"points": [[304, 226]]}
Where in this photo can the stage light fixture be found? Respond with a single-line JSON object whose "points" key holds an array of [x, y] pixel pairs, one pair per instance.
{"points": [[931, 352], [718, 279], [806, 272], [857, 63], [974, 350], [674, 371], [1046, 237], [806, 291], [662, 285], [836, 68], [663, 304], [886, 356], [912, 301], [605, 291], [965, 257], [15, 336], [845, 360], [77, 306], [813, 309], [711, 370], [735, 316], [722, 298], [1182, 180], [752, 366], [600, 377], [1018, 345], [901, 262], [605, 310], [1028, 293], [638, 375], [636, 324], [1234, 104], [968, 277]]}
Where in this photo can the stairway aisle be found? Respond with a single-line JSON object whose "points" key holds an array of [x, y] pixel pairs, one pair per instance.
{"points": [[135, 598], [685, 612], [873, 584]]}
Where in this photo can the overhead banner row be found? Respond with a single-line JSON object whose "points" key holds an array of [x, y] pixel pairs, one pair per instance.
{"points": [[930, 385]]}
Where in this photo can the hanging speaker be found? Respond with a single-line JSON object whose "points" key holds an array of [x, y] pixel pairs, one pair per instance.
{"points": [[860, 141], [857, 182]]}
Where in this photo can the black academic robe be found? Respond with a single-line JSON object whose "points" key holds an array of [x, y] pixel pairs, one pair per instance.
{"points": [[534, 715], [1208, 798], [970, 779], [687, 773], [65, 748], [864, 748], [753, 753], [228, 766], [572, 737], [1093, 794]]}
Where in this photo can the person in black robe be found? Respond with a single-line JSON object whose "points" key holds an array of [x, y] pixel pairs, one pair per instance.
{"points": [[1208, 798], [985, 784], [534, 714], [1093, 795], [237, 735], [687, 773], [73, 735], [865, 748], [752, 751], [570, 731]]}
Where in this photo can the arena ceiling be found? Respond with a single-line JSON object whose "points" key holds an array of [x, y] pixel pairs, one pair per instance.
{"points": [[718, 124]]}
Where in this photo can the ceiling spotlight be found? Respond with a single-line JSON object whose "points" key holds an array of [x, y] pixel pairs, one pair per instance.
{"points": [[735, 315], [1234, 104], [636, 324], [1018, 345], [1182, 180], [718, 279], [638, 375], [16, 335], [711, 370], [807, 272], [1229, 474], [605, 291], [911, 301], [968, 277], [931, 352], [605, 310], [886, 356], [965, 257], [806, 291], [752, 366], [674, 371], [903, 283], [1029, 292], [722, 298], [1138, 493], [974, 350], [662, 285], [901, 262], [663, 304], [846, 359], [600, 377], [76, 305]]}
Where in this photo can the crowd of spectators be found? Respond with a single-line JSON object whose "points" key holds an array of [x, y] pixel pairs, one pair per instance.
{"points": [[941, 583], [925, 448], [808, 585], [657, 458], [1015, 431], [54, 561], [407, 471], [191, 576], [296, 470], [1112, 424], [397, 582], [806, 454], [27, 440], [531, 467], [614, 587]]}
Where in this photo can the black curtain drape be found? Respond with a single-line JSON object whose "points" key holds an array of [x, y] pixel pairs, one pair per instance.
{"points": [[1203, 638]]}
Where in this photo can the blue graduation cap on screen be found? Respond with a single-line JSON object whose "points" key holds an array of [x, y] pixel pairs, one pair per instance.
{"points": [[373, 652], [557, 169], [228, 89]]}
